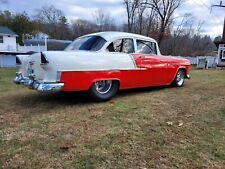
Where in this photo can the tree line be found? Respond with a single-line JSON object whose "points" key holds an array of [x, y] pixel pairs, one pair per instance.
{"points": [[153, 18], [54, 23]]}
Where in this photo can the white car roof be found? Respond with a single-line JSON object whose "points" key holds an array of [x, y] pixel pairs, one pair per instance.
{"points": [[111, 35]]}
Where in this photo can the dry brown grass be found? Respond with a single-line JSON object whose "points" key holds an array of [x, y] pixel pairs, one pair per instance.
{"points": [[146, 128]]}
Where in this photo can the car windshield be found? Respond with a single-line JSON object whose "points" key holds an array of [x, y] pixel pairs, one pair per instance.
{"points": [[89, 43]]}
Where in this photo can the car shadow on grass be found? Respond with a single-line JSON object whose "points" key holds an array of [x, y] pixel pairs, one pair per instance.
{"points": [[32, 102], [60, 98], [83, 97], [75, 98], [133, 92]]}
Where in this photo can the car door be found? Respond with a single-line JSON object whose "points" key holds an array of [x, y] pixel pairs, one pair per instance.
{"points": [[155, 65]]}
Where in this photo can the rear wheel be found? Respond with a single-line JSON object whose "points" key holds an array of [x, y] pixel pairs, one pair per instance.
{"points": [[103, 90], [179, 79]]}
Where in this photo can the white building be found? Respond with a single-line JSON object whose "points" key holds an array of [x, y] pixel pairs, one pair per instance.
{"points": [[221, 49], [7, 43], [221, 53], [7, 39]]}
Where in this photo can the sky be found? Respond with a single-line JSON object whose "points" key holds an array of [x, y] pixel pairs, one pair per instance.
{"points": [[200, 11]]}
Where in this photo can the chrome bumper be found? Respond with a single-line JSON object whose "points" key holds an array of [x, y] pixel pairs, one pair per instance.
{"points": [[40, 86]]}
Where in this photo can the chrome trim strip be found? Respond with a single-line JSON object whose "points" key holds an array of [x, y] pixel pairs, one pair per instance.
{"points": [[102, 70]]}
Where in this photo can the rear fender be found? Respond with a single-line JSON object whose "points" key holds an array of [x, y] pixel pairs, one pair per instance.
{"points": [[83, 80]]}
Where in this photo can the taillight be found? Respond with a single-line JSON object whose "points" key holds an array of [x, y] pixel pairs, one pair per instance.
{"points": [[18, 62], [43, 59]]}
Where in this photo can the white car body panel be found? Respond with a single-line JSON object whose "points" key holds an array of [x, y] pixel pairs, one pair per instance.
{"points": [[85, 61], [60, 61]]}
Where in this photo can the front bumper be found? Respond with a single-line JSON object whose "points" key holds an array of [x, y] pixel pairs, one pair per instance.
{"points": [[40, 86]]}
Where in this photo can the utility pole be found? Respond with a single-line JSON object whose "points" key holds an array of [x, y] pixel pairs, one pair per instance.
{"points": [[221, 44], [221, 6]]}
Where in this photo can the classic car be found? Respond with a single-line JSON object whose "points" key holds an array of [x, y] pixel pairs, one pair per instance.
{"points": [[102, 63]]}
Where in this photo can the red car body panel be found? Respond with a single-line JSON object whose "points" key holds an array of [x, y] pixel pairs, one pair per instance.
{"points": [[152, 70]]}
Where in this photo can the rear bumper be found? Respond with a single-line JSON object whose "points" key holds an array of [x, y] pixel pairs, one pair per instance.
{"points": [[40, 86]]}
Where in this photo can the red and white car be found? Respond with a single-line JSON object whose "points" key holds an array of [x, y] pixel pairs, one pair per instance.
{"points": [[102, 63]]}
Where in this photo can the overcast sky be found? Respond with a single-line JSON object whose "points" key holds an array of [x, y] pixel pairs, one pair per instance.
{"points": [[74, 9]]}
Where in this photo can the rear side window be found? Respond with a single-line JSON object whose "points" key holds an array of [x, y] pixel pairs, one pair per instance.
{"points": [[146, 47], [89, 43], [122, 46]]}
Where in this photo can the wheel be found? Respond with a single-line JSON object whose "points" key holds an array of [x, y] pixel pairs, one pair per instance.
{"points": [[179, 79], [103, 90]]}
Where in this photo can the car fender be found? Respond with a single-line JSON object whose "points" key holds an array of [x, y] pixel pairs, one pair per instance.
{"points": [[181, 67]]}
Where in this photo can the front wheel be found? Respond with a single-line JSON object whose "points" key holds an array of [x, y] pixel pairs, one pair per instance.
{"points": [[179, 79], [103, 90]]}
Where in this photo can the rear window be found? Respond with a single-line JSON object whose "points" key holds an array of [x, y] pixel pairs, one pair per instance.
{"points": [[89, 43]]}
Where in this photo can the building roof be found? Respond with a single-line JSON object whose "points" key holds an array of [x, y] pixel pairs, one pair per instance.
{"points": [[112, 35], [6, 31]]}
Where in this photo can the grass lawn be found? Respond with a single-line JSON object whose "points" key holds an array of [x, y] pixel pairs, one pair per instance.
{"points": [[146, 128]]}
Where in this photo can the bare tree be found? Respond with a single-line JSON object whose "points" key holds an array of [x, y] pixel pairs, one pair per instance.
{"points": [[150, 23], [187, 39], [137, 16], [150, 17], [165, 10], [104, 21], [53, 21], [83, 27], [100, 18], [140, 16], [131, 7], [186, 22], [171, 45], [199, 27], [197, 41], [49, 14]]}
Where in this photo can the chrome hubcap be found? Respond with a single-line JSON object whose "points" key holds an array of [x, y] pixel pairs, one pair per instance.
{"points": [[180, 78], [103, 86]]}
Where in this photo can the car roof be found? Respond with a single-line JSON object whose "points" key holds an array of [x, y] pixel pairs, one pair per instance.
{"points": [[111, 35]]}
